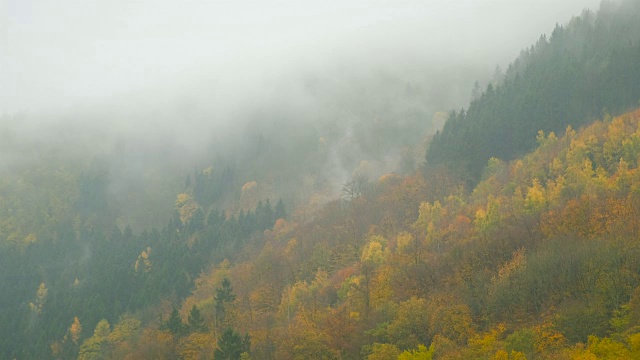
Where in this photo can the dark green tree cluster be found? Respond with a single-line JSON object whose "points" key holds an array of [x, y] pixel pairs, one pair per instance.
{"points": [[232, 345], [94, 274], [178, 328], [224, 297], [210, 185], [584, 69]]}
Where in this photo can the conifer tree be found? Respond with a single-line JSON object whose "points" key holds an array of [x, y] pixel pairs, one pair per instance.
{"points": [[196, 321], [174, 324], [232, 345], [224, 295]]}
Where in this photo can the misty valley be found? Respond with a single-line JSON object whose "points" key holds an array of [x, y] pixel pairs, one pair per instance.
{"points": [[298, 180]]}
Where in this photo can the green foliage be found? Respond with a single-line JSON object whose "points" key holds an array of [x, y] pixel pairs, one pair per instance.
{"points": [[174, 323], [97, 346], [523, 341], [453, 322], [568, 78], [196, 321], [224, 296], [607, 348], [579, 321], [410, 327], [383, 352], [91, 273], [422, 353], [231, 346]]}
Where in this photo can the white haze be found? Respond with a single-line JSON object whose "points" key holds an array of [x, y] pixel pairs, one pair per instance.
{"points": [[158, 86], [65, 54]]}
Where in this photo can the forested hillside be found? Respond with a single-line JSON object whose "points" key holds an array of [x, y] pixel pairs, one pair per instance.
{"points": [[279, 239], [578, 73], [66, 259], [540, 261]]}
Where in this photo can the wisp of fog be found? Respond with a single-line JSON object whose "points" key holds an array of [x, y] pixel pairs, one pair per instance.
{"points": [[144, 83]]}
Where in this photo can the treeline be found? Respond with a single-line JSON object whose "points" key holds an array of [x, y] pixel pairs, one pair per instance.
{"points": [[85, 268], [580, 71]]}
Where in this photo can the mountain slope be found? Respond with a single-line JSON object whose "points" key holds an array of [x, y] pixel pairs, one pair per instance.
{"points": [[541, 260], [584, 69]]}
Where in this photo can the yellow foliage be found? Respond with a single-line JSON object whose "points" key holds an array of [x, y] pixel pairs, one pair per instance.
{"points": [[197, 346], [31, 238], [381, 287], [452, 321], [41, 298], [265, 299], [403, 241], [102, 330], [410, 325], [429, 222], [535, 200], [518, 260], [292, 244], [383, 352], [143, 261], [75, 330], [281, 228], [182, 199], [605, 348], [481, 215], [186, 207], [422, 353], [249, 195], [487, 218], [154, 344], [547, 338], [555, 189], [125, 330], [305, 340], [517, 169], [389, 178], [501, 355], [634, 342], [487, 343], [372, 253], [56, 348], [443, 345], [540, 137]]}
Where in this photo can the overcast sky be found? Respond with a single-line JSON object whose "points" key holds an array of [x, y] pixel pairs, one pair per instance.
{"points": [[57, 55]]}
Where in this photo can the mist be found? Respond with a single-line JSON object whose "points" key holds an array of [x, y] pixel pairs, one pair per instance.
{"points": [[151, 87], [85, 53]]}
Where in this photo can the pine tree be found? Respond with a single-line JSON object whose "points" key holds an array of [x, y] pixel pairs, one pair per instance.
{"points": [[196, 321], [224, 295], [174, 324], [231, 345], [280, 211]]}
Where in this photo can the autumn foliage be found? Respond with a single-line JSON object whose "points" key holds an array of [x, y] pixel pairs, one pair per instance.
{"points": [[539, 261]]}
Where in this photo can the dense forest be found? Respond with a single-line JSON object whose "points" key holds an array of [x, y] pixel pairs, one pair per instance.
{"points": [[571, 77], [516, 239], [86, 267]]}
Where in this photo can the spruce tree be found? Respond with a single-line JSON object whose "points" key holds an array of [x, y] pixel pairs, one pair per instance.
{"points": [[174, 324], [224, 295], [196, 321], [231, 345]]}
